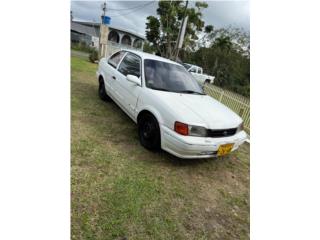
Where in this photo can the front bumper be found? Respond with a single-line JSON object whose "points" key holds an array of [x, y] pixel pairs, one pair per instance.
{"points": [[196, 147]]}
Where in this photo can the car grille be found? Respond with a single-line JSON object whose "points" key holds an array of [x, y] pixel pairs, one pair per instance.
{"points": [[221, 132]]}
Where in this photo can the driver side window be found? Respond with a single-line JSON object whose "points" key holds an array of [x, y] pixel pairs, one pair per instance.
{"points": [[130, 65], [115, 58]]}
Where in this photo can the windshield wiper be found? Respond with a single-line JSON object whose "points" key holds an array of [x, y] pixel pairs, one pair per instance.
{"points": [[160, 89], [191, 91], [183, 91]]}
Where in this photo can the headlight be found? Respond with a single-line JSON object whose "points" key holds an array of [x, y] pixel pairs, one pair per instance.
{"points": [[190, 130], [197, 131], [240, 128]]}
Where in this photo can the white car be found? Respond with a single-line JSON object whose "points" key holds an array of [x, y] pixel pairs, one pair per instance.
{"points": [[169, 106], [198, 74]]}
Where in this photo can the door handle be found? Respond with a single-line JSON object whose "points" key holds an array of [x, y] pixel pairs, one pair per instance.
{"points": [[114, 77]]}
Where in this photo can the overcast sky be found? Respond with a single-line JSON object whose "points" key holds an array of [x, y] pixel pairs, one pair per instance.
{"points": [[132, 15]]}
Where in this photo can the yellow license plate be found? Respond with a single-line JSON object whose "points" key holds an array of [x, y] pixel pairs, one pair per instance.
{"points": [[225, 149]]}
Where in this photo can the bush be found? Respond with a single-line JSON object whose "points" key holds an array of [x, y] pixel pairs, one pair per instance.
{"points": [[94, 55], [81, 46]]}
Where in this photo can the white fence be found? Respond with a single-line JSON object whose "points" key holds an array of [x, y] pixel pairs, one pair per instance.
{"points": [[239, 104]]}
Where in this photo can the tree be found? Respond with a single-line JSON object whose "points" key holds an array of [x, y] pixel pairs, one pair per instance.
{"points": [[162, 31], [147, 47], [208, 29], [223, 42], [239, 38], [224, 57]]}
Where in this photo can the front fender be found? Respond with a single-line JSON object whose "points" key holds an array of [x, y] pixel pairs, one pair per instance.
{"points": [[100, 71], [153, 110]]}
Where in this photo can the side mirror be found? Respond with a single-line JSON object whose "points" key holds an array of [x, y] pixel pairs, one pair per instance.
{"points": [[134, 79]]}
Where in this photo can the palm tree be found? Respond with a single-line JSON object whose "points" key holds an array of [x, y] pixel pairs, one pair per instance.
{"points": [[224, 43]]}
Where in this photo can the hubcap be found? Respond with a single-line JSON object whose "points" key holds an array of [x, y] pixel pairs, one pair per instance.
{"points": [[148, 130]]}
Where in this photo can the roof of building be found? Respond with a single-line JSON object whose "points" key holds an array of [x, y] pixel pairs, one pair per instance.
{"points": [[89, 24], [128, 31], [77, 27]]}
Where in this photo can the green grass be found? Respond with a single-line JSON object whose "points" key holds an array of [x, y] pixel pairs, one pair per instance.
{"points": [[119, 189]]}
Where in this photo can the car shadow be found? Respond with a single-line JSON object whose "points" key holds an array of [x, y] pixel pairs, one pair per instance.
{"points": [[175, 161]]}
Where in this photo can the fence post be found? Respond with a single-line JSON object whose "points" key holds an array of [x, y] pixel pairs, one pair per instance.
{"points": [[220, 98], [241, 112]]}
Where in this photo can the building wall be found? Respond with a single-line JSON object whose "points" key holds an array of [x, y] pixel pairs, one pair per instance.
{"points": [[79, 37], [126, 39], [95, 42], [123, 40]]}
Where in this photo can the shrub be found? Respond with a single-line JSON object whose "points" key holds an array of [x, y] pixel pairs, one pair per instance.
{"points": [[81, 46], [94, 55]]}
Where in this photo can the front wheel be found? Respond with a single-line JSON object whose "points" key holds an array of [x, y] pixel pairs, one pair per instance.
{"points": [[149, 132], [102, 91]]}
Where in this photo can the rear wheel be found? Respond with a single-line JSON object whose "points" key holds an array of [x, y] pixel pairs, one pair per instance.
{"points": [[102, 91], [149, 132]]}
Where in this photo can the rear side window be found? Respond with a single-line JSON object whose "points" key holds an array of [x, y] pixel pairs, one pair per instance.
{"points": [[115, 58], [193, 69], [130, 65]]}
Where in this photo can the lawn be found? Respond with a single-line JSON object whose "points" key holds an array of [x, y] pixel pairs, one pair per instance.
{"points": [[119, 190]]}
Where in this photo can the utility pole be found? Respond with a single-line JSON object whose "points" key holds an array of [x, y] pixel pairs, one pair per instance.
{"points": [[104, 8], [102, 47], [181, 31]]}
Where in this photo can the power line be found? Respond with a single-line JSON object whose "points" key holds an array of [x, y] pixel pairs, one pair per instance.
{"points": [[125, 9], [126, 13]]}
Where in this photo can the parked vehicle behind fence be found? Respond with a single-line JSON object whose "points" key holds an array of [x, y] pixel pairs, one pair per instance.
{"points": [[169, 106], [198, 74]]}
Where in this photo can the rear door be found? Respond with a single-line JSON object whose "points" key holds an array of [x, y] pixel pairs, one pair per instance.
{"points": [[200, 76], [194, 72], [128, 91]]}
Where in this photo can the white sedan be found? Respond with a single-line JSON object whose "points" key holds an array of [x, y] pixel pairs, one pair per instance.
{"points": [[169, 106]]}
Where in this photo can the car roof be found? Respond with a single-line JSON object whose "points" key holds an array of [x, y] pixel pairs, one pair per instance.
{"points": [[192, 65], [145, 55]]}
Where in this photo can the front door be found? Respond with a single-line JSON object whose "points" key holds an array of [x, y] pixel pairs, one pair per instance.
{"points": [[111, 73], [129, 92]]}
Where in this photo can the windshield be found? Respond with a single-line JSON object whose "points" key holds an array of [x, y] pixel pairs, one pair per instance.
{"points": [[186, 65], [169, 77]]}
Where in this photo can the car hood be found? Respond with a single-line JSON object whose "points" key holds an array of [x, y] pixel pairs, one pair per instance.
{"points": [[200, 110], [207, 75]]}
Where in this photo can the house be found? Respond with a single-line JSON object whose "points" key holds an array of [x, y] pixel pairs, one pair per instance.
{"points": [[118, 38], [84, 33]]}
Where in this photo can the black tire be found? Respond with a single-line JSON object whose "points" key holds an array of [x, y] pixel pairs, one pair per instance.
{"points": [[149, 132], [102, 91], [207, 81]]}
